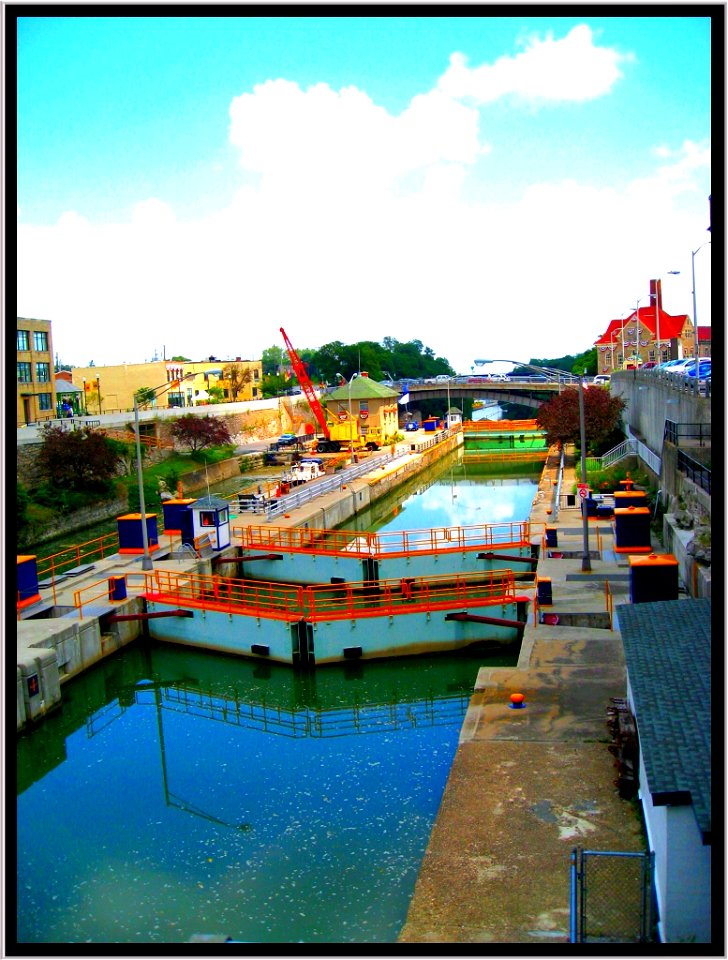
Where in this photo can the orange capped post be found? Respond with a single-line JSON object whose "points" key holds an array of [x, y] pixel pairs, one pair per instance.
{"points": [[517, 701]]}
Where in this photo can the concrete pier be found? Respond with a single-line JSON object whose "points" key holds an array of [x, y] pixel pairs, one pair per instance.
{"points": [[528, 785]]}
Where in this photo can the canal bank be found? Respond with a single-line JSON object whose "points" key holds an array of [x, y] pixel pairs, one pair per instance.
{"points": [[74, 623], [528, 785]]}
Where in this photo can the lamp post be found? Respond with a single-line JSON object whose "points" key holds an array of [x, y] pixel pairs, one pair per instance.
{"points": [[695, 312], [351, 423], [157, 391], [586, 559]]}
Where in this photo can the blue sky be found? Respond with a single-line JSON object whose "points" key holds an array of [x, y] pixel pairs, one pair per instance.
{"points": [[499, 186]]}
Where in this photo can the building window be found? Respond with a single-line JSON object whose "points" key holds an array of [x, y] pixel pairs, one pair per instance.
{"points": [[207, 518], [24, 374], [44, 401], [40, 341], [23, 340], [43, 372], [256, 374]]}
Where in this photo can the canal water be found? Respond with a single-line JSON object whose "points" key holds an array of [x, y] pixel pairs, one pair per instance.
{"points": [[177, 793]]}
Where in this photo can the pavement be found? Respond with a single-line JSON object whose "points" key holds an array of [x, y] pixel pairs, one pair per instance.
{"points": [[528, 785]]}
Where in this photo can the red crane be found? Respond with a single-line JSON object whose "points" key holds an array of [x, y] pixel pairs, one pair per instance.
{"points": [[306, 385]]}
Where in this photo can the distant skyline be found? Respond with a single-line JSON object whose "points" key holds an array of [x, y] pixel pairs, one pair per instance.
{"points": [[491, 186]]}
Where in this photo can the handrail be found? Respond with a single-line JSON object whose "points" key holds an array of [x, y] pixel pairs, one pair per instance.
{"points": [[609, 598], [81, 597], [506, 426], [103, 546], [325, 602], [384, 543]]}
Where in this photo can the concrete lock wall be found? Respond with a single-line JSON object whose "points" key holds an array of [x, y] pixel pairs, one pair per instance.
{"points": [[652, 400]]}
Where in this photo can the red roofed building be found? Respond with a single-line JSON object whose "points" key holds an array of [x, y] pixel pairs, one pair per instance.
{"points": [[633, 340], [704, 341]]}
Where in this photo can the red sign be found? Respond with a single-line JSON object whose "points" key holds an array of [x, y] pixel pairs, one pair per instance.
{"points": [[342, 415], [583, 489]]}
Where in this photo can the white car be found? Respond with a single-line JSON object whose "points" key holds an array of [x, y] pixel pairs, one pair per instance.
{"points": [[602, 378]]}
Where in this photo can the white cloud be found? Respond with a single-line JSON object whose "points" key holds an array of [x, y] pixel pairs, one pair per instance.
{"points": [[356, 227], [572, 69]]}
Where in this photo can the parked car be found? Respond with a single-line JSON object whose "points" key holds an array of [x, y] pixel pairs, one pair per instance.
{"points": [[285, 440], [704, 368], [603, 379]]}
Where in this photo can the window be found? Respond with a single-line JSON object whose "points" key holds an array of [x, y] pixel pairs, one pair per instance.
{"points": [[24, 375], [207, 518], [256, 374], [43, 372], [44, 401], [23, 340], [40, 341]]}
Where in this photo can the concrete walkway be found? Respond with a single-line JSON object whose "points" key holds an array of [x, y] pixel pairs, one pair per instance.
{"points": [[527, 786]]}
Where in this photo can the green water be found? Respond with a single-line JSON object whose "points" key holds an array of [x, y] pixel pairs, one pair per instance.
{"points": [[177, 792]]}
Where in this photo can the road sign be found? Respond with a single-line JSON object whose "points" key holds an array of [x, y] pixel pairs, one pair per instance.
{"points": [[583, 489]]}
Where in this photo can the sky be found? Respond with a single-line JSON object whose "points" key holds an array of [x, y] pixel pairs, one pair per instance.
{"points": [[494, 187]]}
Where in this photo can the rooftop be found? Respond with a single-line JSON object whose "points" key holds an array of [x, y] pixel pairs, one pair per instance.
{"points": [[668, 656]]}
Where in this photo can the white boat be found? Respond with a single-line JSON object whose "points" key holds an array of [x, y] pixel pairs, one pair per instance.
{"points": [[304, 471]]}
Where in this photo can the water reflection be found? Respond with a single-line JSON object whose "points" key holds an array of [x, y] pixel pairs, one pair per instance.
{"points": [[243, 798]]}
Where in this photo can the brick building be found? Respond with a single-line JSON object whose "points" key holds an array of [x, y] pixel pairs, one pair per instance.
{"points": [[36, 385], [647, 335]]}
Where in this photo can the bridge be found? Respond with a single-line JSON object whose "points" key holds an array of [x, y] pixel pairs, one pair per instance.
{"points": [[526, 391]]}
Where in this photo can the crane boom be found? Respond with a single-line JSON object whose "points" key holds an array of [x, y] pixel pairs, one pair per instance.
{"points": [[306, 385]]}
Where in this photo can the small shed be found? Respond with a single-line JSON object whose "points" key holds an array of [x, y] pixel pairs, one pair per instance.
{"points": [[453, 417], [667, 648], [208, 516]]}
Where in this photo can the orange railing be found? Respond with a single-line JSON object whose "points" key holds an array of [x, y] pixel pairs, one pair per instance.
{"points": [[410, 595], [332, 601], [128, 436], [392, 543], [252, 597], [100, 590], [503, 426]]}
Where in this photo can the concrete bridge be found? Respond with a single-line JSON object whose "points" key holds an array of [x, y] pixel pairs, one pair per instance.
{"points": [[527, 392]]}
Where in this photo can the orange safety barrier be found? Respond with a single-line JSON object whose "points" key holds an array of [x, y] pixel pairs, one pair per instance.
{"points": [[388, 543], [326, 602], [505, 426], [257, 598]]}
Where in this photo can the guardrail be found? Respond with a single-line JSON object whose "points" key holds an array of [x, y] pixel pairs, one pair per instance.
{"points": [[675, 432], [697, 472], [315, 488]]}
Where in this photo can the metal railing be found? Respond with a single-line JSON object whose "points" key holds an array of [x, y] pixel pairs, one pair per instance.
{"points": [[630, 447], [694, 471], [354, 543], [675, 432], [337, 601]]}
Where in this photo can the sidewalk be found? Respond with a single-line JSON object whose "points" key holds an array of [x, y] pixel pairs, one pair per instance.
{"points": [[527, 786]]}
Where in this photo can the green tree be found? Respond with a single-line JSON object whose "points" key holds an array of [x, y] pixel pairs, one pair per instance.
{"points": [[144, 396], [272, 360], [196, 433]]}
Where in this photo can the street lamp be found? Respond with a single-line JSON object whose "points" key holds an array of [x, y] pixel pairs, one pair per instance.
{"points": [[351, 423], [695, 312], [586, 559], [151, 395]]}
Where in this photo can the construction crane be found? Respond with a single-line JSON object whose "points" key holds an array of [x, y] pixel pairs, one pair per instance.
{"points": [[333, 437]]}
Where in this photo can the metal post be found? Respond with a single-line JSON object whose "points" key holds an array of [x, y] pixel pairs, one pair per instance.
{"points": [[586, 559], [146, 559]]}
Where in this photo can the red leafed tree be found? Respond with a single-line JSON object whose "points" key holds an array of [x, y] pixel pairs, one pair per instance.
{"points": [[602, 413], [196, 433]]}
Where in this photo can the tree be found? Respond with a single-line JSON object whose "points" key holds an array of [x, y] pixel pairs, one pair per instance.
{"points": [[272, 359], [602, 414], [78, 459], [144, 396], [237, 376], [196, 433]]}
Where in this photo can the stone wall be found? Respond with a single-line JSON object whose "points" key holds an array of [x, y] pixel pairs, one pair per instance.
{"points": [[72, 522]]}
